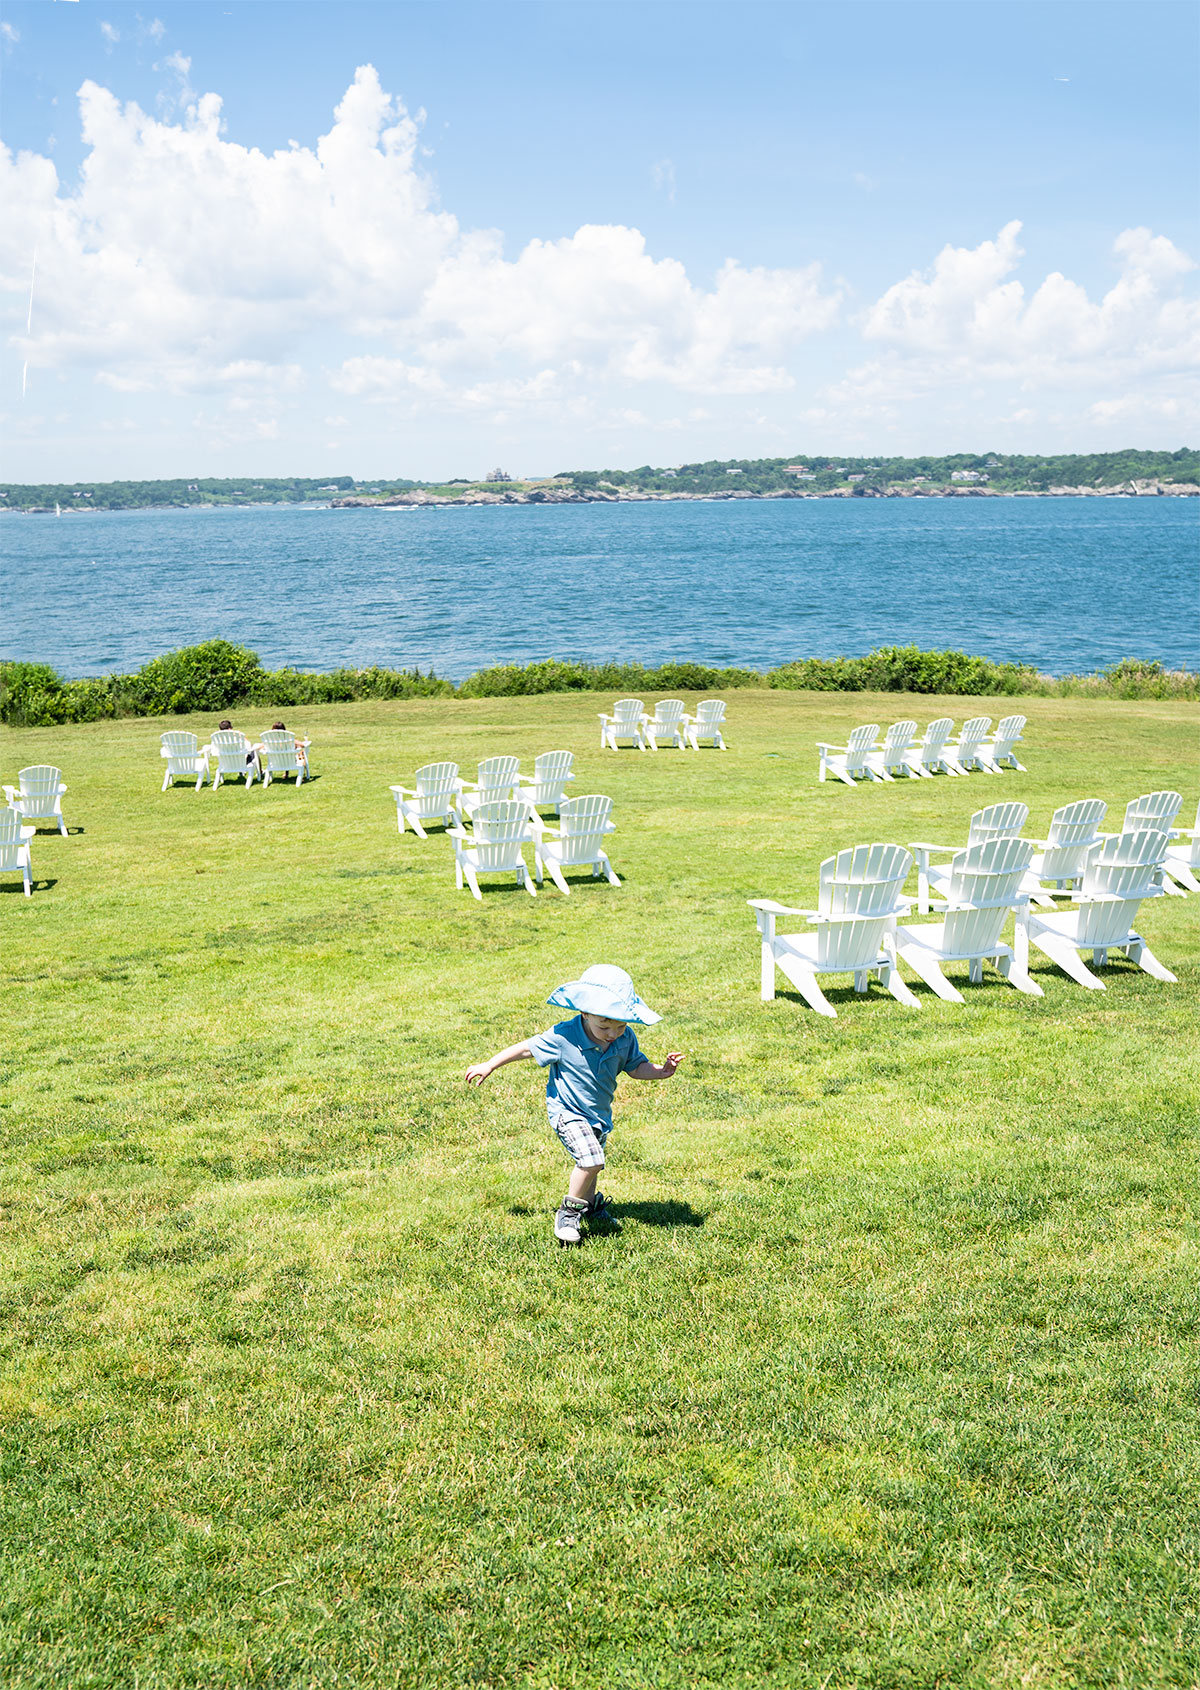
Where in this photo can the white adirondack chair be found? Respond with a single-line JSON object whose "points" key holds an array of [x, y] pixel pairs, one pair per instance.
{"points": [[998, 751], [967, 749], [496, 782], [1156, 810], [929, 756], [186, 758], [431, 800], [577, 842], [706, 724], [234, 755], [1119, 876], [892, 757], [495, 847], [985, 884], [1152, 809], [624, 723], [548, 787], [1182, 861], [15, 848], [1063, 854], [38, 795], [282, 757], [996, 821], [854, 758], [861, 894], [666, 723]]}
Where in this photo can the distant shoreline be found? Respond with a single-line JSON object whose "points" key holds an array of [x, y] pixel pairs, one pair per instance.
{"points": [[537, 496]]}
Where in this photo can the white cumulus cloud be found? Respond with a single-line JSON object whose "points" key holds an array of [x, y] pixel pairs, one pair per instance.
{"points": [[182, 254]]}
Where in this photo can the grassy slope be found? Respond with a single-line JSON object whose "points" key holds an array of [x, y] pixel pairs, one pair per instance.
{"points": [[889, 1380]]}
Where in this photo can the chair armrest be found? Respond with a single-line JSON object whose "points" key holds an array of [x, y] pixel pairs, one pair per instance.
{"points": [[821, 746], [11, 791], [457, 833], [770, 907]]}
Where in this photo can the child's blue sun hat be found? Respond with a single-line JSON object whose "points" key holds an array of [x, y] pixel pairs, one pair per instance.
{"points": [[604, 990]]}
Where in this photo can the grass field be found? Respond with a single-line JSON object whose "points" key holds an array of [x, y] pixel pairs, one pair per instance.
{"points": [[889, 1380]]}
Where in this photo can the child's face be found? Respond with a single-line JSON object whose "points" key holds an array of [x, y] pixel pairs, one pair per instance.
{"points": [[602, 1030]]}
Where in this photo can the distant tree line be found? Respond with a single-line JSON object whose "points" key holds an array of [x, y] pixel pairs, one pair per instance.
{"points": [[218, 676], [1004, 473]]}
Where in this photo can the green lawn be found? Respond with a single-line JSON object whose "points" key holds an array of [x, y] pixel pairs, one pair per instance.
{"points": [[889, 1380]]}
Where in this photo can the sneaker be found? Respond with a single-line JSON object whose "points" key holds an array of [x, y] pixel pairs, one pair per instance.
{"points": [[567, 1221], [600, 1214]]}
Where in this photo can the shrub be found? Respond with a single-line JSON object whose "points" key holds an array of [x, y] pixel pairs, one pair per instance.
{"points": [[908, 669], [511, 680], [32, 696], [292, 687], [212, 676], [1132, 678]]}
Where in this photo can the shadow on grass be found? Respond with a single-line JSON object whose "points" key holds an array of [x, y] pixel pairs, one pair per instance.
{"points": [[666, 1211], [18, 886]]}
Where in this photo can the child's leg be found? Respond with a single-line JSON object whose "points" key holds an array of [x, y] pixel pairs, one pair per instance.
{"points": [[585, 1145], [583, 1182]]}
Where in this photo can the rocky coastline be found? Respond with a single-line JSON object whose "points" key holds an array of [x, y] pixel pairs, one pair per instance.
{"points": [[574, 496]]}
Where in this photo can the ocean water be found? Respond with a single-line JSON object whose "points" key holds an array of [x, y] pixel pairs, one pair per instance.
{"points": [[1069, 585]]}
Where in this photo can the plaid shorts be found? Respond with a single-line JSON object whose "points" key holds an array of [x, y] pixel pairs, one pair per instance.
{"points": [[582, 1140]]}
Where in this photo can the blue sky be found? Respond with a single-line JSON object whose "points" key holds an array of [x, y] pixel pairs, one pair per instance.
{"points": [[599, 234]]}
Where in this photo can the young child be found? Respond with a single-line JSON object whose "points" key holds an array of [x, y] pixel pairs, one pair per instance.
{"points": [[584, 1057]]}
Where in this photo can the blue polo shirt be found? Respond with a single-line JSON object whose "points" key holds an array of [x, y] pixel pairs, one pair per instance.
{"points": [[583, 1076]]}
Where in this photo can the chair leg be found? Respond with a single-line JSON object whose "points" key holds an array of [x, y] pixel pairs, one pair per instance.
{"points": [[1183, 874], [417, 828], [556, 875], [1019, 977], [890, 977], [525, 879], [925, 966], [767, 985], [1147, 960], [608, 870], [806, 985], [1064, 954], [472, 882]]}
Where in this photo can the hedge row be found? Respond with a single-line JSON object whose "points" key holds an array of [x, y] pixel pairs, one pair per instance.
{"points": [[218, 676]]}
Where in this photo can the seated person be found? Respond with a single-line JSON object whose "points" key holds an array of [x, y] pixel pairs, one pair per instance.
{"points": [[301, 744], [226, 726]]}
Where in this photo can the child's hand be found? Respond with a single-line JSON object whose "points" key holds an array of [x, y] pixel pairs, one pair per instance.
{"points": [[477, 1074], [670, 1062]]}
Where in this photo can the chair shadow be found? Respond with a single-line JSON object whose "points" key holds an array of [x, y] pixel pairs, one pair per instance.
{"points": [[18, 887], [667, 1211], [51, 830]]}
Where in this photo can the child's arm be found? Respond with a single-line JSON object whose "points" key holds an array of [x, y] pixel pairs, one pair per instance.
{"points": [[663, 1070], [479, 1071]]}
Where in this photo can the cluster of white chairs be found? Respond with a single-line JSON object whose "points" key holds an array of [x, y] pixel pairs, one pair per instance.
{"points": [[37, 797], [490, 820], [900, 752], [997, 873], [631, 723], [233, 754]]}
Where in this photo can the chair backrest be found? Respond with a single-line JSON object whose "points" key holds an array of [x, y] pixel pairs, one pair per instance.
{"points": [[435, 780], [43, 780], [584, 818], [1117, 877], [937, 733], [230, 739], [1152, 809], [997, 821], [975, 731], [553, 765], [1077, 823], [668, 711], [1010, 729], [989, 877], [280, 747], [851, 942], [500, 829], [628, 710], [863, 880], [1073, 836], [709, 712], [862, 738], [12, 849], [497, 774], [180, 744], [899, 737]]}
